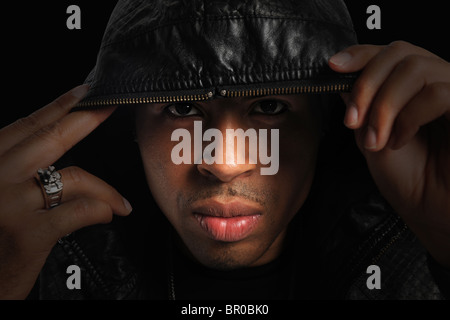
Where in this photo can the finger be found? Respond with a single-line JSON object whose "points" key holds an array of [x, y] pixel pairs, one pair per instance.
{"points": [[351, 114], [354, 58], [74, 215], [79, 182], [430, 104], [48, 144], [76, 183], [406, 80], [378, 63], [24, 127]]}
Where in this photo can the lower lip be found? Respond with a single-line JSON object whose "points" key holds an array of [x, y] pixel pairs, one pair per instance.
{"points": [[227, 229]]}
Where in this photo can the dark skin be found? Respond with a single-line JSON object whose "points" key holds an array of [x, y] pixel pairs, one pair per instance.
{"points": [[402, 127], [174, 185], [399, 109]]}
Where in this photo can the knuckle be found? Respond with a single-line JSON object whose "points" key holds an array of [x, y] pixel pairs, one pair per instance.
{"points": [[16, 224], [81, 208], [28, 124], [61, 103], [15, 199], [107, 215], [361, 86], [401, 121], [53, 133], [92, 211], [399, 45], [74, 174], [439, 91], [14, 196], [380, 117], [404, 124], [413, 64]]}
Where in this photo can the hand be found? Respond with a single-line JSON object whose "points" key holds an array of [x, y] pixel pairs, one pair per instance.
{"points": [[400, 111], [28, 231]]}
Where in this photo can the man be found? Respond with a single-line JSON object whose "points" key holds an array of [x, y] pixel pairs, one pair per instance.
{"points": [[250, 221]]}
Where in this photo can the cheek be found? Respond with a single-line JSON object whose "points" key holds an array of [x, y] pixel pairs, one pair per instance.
{"points": [[298, 150], [300, 142], [163, 176], [299, 145]]}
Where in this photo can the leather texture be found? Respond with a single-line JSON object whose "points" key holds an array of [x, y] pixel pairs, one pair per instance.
{"points": [[162, 48]]}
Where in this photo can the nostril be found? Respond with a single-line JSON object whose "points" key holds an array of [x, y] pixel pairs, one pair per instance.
{"points": [[224, 172], [205, 172]]}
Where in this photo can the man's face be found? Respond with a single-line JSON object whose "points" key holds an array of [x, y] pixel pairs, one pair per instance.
{"points": [[230, 215]]}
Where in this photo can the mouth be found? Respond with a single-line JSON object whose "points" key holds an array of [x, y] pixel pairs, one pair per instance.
{"points": [[230, 222]]}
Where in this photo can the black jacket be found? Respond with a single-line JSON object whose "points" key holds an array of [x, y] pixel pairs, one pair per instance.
{"points": [[165, 51]]}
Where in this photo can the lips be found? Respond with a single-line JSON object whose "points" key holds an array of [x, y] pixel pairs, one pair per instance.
{"points": [[228, 222]]}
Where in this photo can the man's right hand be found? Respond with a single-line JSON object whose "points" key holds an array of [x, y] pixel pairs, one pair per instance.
{"points": [[28, 231]]}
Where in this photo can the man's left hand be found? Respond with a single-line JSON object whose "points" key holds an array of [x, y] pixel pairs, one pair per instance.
{"points": [[400, 110]]}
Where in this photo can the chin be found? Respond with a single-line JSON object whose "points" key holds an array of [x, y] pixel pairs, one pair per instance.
{"points": [[225, 255]]}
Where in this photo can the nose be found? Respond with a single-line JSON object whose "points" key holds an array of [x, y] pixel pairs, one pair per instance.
{"points": [[236, 154], [225, 172]]}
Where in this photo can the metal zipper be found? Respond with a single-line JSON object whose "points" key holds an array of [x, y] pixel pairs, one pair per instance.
{"points": [[144, 100], [305, 89], [391, 242], [223, 92]]}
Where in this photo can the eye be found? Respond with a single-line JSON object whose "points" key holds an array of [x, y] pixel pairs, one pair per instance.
{"points": [[183, 109], [270, 107]]}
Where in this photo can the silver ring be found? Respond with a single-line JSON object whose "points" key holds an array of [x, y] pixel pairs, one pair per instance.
{"points": [[51, 185]]}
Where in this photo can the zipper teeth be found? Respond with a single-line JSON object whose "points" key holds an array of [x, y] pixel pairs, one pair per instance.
{"points": [[389, 244], [286, 90], [144, 100], [224, 92]]}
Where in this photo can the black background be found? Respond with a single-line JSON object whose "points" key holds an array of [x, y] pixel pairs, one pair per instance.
{"points": [[42, 59]]}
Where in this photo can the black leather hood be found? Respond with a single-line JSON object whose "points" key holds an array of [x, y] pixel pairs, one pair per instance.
{"points": [[171, 50]]}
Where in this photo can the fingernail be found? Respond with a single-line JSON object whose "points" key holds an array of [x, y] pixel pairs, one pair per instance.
{"points": [[371, 139], [80, 91], [341, 59], [127, 205], [351, 117]]}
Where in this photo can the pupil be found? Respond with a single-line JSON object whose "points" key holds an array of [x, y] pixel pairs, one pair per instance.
{"points": [[183, 109], [269, 106]]}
